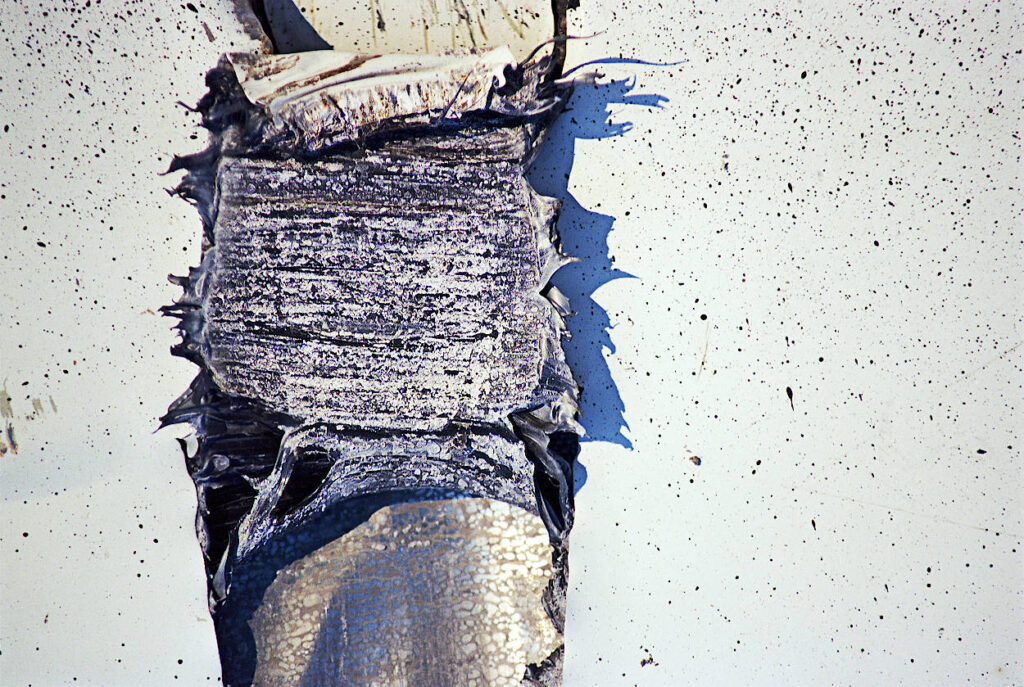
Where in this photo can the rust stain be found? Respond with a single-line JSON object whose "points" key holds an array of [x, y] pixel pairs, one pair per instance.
{"points": [[480, 25], [269, 68], [354, 63]]}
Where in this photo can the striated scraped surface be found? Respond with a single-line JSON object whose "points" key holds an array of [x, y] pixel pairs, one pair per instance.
{"points": [[394, 288]]}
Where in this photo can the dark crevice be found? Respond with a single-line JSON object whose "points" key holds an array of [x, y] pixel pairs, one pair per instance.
{"points": [[259, 9]]}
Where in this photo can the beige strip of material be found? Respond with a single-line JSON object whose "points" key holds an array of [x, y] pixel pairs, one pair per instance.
{"points": [[422, 26]]}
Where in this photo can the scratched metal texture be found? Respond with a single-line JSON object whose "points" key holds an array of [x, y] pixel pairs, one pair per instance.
{"points": [[374, 325], [395, 288]]}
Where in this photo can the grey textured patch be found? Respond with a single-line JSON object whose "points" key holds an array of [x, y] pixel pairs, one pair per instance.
{"points": [[393, 288], [322, 465]]}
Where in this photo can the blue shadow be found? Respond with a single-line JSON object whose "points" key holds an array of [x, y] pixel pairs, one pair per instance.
{"points": [[585, 235]]}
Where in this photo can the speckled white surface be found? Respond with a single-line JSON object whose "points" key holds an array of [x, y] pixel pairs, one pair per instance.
{"points": [[101, 577], [868, 533]]}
